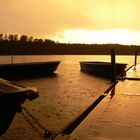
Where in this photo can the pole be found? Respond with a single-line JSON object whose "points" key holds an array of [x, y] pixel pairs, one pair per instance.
{"points": [[135, 62], [11, 51], [113, 65], [11, 58]]}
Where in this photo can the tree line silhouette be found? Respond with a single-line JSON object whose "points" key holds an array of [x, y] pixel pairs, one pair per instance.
{"points": [[28, 45], [23, 38]]}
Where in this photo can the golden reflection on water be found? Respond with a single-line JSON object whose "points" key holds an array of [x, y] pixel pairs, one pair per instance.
{"points": [[68, 58]]}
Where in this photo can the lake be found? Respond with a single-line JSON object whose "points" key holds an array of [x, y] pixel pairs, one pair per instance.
{"points": [[62, 97], [65, 58]]}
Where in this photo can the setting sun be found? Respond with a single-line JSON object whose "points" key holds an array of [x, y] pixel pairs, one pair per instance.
{"points": [[119, 36]]}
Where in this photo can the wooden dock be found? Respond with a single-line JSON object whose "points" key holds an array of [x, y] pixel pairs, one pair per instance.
{"points": [[116, 116]]}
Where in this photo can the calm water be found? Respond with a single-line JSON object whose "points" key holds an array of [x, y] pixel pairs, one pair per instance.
{"points": [[65, 58], [63, 97]]}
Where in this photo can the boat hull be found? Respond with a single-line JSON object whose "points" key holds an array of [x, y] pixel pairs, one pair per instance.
{"points": [[11, 97], [28, 69], [103, 69]]}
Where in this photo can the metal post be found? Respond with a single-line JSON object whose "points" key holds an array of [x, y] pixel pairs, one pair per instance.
{"points": [[135, 62], [113, 65]]}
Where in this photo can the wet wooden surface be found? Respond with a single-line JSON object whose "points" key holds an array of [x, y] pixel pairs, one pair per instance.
{"points": [[117, 116]]}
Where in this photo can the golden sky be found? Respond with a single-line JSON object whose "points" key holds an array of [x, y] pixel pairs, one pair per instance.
{"points": [[89, 21]]}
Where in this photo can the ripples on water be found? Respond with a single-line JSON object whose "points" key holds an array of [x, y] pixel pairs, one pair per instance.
{"points": [[62, 97]]}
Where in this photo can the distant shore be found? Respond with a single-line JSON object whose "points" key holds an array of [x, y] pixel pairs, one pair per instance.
{"points": [[30, 48]]}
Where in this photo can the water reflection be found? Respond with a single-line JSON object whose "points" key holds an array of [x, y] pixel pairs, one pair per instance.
{"points": [[67, 58]]}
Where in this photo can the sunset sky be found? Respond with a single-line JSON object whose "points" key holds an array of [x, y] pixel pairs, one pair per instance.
{"points": [[79, 21]]}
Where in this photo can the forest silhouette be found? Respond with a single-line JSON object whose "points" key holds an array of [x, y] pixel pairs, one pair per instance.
{"points": [[28, 45]]}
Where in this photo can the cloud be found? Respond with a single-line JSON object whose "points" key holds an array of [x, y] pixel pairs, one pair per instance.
{"points": [[50, 17], [40, 17]]}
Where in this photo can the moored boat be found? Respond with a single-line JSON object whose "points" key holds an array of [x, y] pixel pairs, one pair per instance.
{"points": [[103, 69], [11, 98], [28, 69]]}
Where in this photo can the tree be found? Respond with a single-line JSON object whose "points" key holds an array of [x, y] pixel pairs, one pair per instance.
{"points": [[24, 38], [11, 37], [1, 37], [40, 41], [5, 37], [36, 40], [15, 37], [30, 39], [48, 41]]}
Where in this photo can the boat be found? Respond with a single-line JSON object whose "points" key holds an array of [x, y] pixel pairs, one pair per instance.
{"points": [[32, 69], [103, 69], [11, 98]]}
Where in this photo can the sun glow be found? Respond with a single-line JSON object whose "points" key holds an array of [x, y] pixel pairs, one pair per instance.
{"points": [[119, 36]]}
